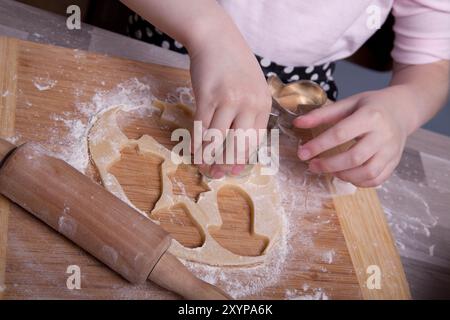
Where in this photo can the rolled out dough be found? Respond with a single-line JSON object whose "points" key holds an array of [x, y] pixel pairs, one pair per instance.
{"points": [[106, 140]]}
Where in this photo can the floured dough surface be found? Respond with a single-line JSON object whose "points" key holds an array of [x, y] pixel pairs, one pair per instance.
{"points": [[106, 141]]}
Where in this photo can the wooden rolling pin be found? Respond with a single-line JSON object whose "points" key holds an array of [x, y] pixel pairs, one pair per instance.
{"points": [[95, 220]]}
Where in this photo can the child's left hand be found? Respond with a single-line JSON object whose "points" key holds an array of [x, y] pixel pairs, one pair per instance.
{"points": [[377, 120]]}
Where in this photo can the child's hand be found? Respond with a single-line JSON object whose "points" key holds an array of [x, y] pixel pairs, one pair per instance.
{"points": [[376, 120], [229, 86], [230, 89]]}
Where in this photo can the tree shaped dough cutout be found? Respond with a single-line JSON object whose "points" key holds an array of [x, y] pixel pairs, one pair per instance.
{"points": [[197, 203]]}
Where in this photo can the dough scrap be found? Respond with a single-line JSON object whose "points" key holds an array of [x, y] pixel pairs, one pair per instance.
{"points": [[106, 140]]}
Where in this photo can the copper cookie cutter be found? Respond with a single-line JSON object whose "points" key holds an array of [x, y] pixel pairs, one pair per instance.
{"points": [[292, 100]]}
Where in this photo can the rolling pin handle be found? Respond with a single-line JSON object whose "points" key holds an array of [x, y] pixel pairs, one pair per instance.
{"points": [[171, 274]]}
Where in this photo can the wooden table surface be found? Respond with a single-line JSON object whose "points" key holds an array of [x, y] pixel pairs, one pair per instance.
{"points": [[416, 199]]}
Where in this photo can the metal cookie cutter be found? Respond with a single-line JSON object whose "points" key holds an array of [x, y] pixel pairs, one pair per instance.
{"points": [[288, 102], [292, 100]]}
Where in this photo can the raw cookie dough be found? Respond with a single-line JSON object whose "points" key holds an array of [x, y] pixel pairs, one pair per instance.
{"points": [[106, 140]]}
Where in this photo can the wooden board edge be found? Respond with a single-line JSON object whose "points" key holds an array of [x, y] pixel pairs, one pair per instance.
{"points": [[8, 85], [4, 216], [8, 88], [175, 71], [368, 237], [371, 246]]}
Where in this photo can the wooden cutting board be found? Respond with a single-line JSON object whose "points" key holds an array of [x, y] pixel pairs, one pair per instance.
{"points": [[345, 236]]}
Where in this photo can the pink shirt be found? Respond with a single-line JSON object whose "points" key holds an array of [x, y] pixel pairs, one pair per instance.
{"points": [[312, 32]]}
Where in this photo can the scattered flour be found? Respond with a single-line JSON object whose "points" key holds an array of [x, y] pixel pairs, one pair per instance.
{"points": [[44, 83], [13, 139], [73, 147], [79, 54], [67, 226], [431, 250], [409, 215], [318, 294], [328, 256], [183, 95], [180, 185], [343, 188]]}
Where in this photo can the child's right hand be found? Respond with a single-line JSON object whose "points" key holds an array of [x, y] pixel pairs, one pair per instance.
{"points": [[229, 88]]}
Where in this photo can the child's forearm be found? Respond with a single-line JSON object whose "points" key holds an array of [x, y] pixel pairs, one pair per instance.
{"points": [[424, 88], [189, 22]]}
